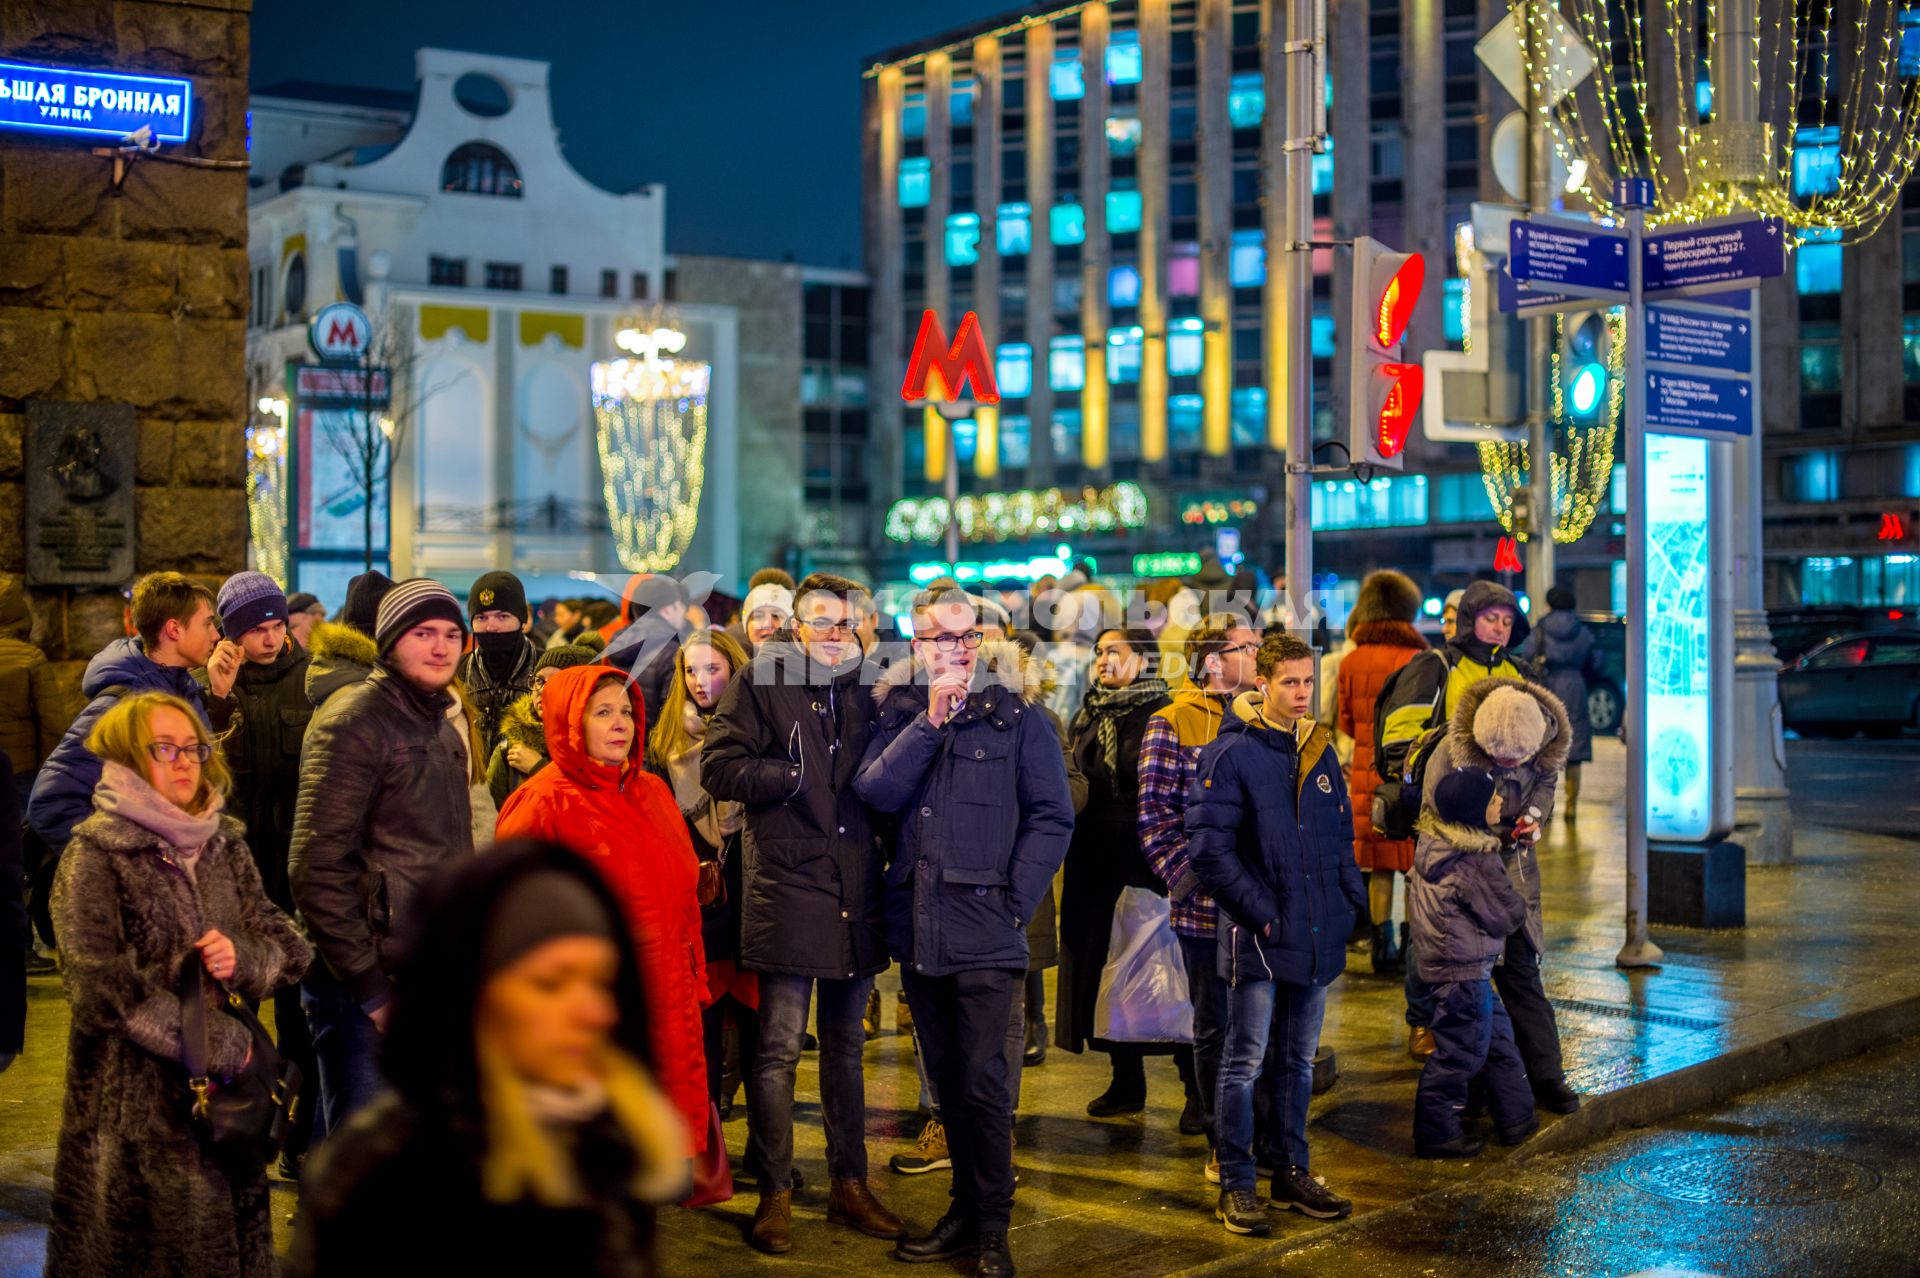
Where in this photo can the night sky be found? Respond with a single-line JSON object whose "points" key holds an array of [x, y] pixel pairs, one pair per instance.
{"points": [[748, 110]]}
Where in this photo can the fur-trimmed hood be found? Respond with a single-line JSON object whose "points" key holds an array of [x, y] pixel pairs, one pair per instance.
{"points": [[1458, 837], [1467, 753], [520, 726], [339, 657], [1000, 664]]}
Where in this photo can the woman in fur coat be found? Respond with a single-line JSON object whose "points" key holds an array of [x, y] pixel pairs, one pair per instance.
{"points": [[155, 878]]}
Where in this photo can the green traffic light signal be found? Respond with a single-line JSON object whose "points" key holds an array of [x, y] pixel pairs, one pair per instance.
{"points": [[1588, 389]]}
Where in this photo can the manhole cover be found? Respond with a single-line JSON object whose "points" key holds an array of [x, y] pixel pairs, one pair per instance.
{"points": [[1743, 1176]]}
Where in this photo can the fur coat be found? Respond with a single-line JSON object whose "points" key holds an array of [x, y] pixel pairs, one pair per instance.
{"points": [[134, 1189]]}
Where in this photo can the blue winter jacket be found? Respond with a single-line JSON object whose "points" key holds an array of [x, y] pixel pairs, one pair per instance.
{"points": [[984, 815], [1461, 907], [1270, 837], [63, 792]]}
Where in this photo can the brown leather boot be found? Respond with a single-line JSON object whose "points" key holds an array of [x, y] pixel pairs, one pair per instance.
{"points": [[1420, 1043], [773, 1222], [850, 1202]]}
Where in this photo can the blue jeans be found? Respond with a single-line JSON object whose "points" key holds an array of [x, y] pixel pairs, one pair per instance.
{"points": [[1290, 1015], [346, 1046], [843, 1096], [1472, 1040]]}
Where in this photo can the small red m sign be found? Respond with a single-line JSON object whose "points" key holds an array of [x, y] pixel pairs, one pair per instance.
{"points": [[951, 365]]}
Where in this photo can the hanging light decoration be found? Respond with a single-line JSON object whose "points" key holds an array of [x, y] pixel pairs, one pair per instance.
{"points": [[267, 490], [1835, 88], [1017, 515], [651, 418]]}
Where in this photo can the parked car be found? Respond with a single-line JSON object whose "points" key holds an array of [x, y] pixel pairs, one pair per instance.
{"points": [[1857, 682], [1798, 631]]}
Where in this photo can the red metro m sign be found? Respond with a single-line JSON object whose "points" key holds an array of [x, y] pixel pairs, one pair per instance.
{"points": [[951, 366], [340, 333]]}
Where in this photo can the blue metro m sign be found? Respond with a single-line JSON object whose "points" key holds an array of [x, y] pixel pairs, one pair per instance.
{"points": [[109, 104]]}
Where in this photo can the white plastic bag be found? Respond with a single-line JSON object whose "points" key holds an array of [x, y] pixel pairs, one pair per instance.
{"points": [[1143, 988]]}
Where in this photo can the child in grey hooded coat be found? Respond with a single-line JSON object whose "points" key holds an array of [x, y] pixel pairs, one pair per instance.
{"points": [[1463, 908]]}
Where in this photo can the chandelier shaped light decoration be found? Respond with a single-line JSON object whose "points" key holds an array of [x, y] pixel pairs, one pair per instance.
{"points": [[1804, 110], [650, 415], [267, 489]]}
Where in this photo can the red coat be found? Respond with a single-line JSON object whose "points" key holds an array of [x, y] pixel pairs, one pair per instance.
{"points": [[625, 820], [1381, 647]]}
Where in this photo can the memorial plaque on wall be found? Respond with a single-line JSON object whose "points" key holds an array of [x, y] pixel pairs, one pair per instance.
{"points": [[80, 466]]}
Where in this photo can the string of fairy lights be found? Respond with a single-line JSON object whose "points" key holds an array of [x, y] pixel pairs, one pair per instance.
{"points": [[267, 489]]}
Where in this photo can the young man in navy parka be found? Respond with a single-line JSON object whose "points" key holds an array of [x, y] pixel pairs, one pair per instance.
{"points": [[1270, 834]]}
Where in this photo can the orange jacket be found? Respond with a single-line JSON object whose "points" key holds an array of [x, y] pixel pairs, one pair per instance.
{"points": [[1381, 648]]}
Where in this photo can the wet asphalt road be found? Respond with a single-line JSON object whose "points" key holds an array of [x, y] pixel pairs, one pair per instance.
{"points": [[1813, 1177], [1869, 786]]}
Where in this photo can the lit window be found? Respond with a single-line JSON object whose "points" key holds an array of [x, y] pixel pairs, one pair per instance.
{"points": [[1819, 359], [1186, 348], [1123, 286], [1385, 502], [1247, 261], [1246, 100], [1123, 135], [913, 116], [1123, 57], [1323, 171], [1066, 364], [1016, 441], [1184, 416], [1453, 309], [966, 440], [1123, 211], [479, 168], [1066, 435], [1325, 336], [1249, 412], [1183, 271], [1123, 355], [1816, 161], [1703, 98], [1461, 499], [963, 239], [1817, 262], [1910, 356], [1013, 367], [1014, 229], [916, 182], [960, 106], [1069, 80], [1067, 224], [1909, 43], [1810, 477]]}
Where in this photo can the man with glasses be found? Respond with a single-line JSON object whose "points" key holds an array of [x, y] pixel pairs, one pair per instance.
{"points": [[965, 759], [1220, 665], [787, 741]]}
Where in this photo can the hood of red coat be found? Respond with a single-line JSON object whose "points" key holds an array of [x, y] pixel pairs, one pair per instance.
{"points": [[563, 709]]}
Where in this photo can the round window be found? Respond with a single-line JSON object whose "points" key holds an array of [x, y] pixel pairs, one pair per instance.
{"points": [[482, 95]]}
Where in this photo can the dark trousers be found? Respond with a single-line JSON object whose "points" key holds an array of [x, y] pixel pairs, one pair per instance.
{"points": [[713, 1025], [961, 1022], [1130, 1067], [1517, 977], [295, 1041], [346, 1047], [1472, 1048], [1208, 991], [843, 1097]]}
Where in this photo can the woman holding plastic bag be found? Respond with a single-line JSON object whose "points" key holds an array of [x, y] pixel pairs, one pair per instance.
{"points": [[1105, 860]]}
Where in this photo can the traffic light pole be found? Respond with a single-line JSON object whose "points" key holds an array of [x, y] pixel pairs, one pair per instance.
{"points": [[1540, 566], [1306, 50]]}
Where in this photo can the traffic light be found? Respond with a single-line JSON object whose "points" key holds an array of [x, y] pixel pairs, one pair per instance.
{"points": [[1585, 343], [1383, 391]]}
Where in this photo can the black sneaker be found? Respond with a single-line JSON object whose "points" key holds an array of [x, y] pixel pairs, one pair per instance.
{"points": [[1109, 1103], [1517, 1135], [996, 1261], [1192, 1121], [1240, 1211], [1297, 1191], [1462, 1146], [1554, 1096]]}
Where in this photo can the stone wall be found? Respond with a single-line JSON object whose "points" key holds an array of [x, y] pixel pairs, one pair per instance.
{"points": [[138, 296]]}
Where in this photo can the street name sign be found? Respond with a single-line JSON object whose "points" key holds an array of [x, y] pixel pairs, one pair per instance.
{"points": [[1692, 339], [1683, 403], [95, 104]]}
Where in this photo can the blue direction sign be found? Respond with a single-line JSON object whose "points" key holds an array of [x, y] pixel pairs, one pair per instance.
{"points": [[88, 103], [1526, 300], [1714, 256], [1678, 335], [1699, 404], [1568, 257]]}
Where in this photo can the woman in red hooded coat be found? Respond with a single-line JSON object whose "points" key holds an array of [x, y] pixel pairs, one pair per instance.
{"points": [[597, 800]]}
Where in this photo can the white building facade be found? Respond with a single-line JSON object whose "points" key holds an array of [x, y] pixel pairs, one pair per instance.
{"points": [[497, 276]]}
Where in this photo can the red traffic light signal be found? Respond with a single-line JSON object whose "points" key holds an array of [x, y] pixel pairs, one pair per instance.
{"points": [[1383, 390]]}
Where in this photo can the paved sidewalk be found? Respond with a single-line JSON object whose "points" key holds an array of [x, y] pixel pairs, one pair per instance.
{"points": [[1820, 971]]}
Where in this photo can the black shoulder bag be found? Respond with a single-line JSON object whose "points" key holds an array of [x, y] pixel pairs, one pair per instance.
{"points": [[248, 1114]]}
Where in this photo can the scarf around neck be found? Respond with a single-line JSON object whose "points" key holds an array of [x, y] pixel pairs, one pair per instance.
{"points": [[1105, 707], [124, 793], [715, 820]]}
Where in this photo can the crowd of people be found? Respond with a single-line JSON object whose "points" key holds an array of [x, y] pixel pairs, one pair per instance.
{"points": [[533, 892]]}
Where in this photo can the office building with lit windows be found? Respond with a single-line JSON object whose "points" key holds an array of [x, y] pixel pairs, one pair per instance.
{"points": [[1090, 179]]}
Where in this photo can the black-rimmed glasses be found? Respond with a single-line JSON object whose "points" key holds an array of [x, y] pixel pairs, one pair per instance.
{"points": [[824, 626], [947, 643], [167, 751]]}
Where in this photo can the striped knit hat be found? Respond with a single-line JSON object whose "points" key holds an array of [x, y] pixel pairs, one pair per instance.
{"points": [[411, 602]]}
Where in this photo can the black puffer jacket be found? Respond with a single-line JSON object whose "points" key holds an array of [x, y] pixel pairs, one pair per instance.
{"points": [[383, 805], [787, 741], [261, 722]]}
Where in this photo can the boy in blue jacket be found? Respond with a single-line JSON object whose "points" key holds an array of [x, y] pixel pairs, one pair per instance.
{"points": [[1270, 837], [1463, 908]]}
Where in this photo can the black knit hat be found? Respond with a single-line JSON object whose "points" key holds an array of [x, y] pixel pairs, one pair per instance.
{"points": [[364, 593], [498, 591], [1462, 796]]}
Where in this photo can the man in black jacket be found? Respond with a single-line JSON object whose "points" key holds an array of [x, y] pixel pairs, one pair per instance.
{"points": [[383, 805], [499, 670], [787, 741], [256, 699]]}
